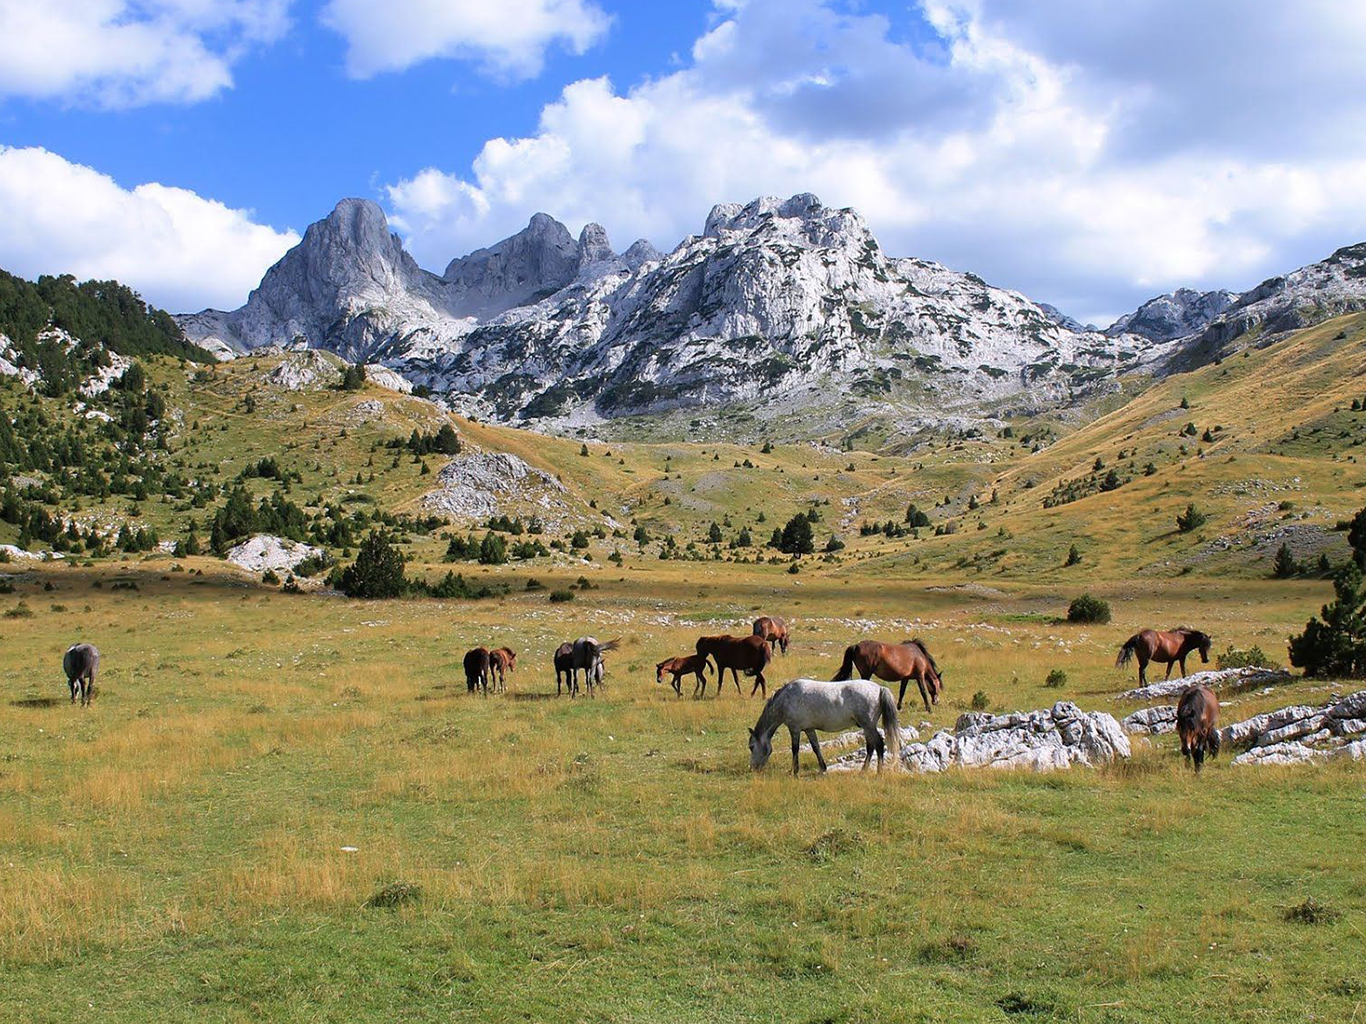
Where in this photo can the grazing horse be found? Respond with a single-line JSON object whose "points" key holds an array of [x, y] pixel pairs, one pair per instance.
{"points": [[80, 663], [681, 666], [895, 663], [502, 660], [1197, 723], [806, 705], [587, 655], [1170, 647], [772, 629], [564, 668], [477, 664], [748, 654]]}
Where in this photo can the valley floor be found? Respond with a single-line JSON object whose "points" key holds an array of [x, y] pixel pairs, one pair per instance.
{"points": [[288, 808]]}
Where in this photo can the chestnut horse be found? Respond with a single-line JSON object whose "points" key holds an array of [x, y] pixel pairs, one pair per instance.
{"points": [[1170, 647], [895, 663], [681, 666], [772, 629], [1197, 723], [477, 669], [748, 654], [501, 661]]}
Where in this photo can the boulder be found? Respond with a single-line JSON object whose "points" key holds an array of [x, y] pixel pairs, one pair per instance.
{"points": [[1301, 732], [1151, 721]]}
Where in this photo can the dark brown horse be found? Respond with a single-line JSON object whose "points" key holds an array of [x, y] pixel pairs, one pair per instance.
{"points": [[773, 630], [564, 667], [748, 654], [1197, 723], [681, 666], [895, 663], [502, 660], [477, 664], [1170, 647], [80, 663]]}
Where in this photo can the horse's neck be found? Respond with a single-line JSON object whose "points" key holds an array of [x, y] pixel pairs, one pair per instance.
{"points": [[771, 717]]}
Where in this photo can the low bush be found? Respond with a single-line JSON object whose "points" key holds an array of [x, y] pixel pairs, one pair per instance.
{"points": [[1088, 609]]}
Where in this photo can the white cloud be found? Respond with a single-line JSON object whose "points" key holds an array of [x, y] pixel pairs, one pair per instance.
{"points": [[123, 53], [181, 251], [1034, 144], [509, 37]]}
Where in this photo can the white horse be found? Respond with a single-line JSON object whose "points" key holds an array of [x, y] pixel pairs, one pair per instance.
{"points": [[806, 705], [586, 653]]}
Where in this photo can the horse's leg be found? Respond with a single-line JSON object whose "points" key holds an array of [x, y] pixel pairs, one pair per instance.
{"points": [[71, 684], [816, 747], [1142, 669], [1169, 670], [758, 683], [869, 735], [920, 682], [1183, 666], [735, 674], [796, 749], [902, 695]]}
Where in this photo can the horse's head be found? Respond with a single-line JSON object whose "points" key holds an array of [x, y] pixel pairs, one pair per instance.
{"points": [[659, 671], [760, 748], [782, 642], [511, 657], [1203, 642]]}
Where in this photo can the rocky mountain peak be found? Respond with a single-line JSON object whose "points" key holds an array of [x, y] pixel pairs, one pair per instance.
{"points": [[593, 245], [1174, 315], [801, 219], [537, 261]]}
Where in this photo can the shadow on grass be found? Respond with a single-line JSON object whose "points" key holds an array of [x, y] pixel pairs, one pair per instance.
{"points": [[39, 702]]}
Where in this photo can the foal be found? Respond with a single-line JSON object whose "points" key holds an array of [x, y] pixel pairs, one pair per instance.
{"points": [[681, 666]]}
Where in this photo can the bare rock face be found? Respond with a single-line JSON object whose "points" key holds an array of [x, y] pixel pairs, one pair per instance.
{"points": [[265, 551], [1057, 737], [305, 371], [1301, 733], [536, 262], [476, 485]]}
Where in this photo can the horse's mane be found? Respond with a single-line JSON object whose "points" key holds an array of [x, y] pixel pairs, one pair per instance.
{"points": [[928, 656], [769, 709]]}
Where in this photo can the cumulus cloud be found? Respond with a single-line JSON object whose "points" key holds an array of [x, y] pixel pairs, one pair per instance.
{"points": [[124, 53], [181, 251], [509, 37], [1086, 162]]}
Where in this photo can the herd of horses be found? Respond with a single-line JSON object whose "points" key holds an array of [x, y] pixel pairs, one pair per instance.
{"points": [[804, 705]]}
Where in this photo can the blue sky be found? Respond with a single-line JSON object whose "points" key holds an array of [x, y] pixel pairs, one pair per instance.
{"points": [[1089, 155]]}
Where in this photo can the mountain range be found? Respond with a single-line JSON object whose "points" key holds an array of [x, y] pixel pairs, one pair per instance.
{"points": [[778, 307]]}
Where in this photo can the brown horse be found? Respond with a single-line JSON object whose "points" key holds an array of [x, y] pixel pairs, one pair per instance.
{"points": [[564, 667], [748, 654], [477, 669], [502, 660], [773, 630], [1170, 647], [895, 663], [1197, 723], [681, 666]]}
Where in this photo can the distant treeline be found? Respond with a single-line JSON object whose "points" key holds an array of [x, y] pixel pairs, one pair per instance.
{"points": [[98, 313]]}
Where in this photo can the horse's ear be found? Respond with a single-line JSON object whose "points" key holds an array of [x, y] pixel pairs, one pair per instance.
{"points": [[751, 732]]}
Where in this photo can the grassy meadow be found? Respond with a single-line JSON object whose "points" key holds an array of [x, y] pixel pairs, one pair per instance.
{"points": [[287, 808]]}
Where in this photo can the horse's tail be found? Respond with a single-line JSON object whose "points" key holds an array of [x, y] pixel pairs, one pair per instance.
{"points": [[611, 645], [1127, 651], [890, 725], [847, 668]]}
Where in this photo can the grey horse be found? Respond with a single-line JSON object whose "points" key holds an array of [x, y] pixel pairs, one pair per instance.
{"points": [[587, 655], [80, 663], [806, 705]]}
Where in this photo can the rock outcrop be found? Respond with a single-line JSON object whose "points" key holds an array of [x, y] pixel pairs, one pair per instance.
{"points": [[265, 551], [1301, 733], [1056, 737], [1151, 721], [476, 485], [1215, 679]]}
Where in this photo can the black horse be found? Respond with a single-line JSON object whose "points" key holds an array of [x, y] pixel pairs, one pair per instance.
{"points": [[80, 664]]}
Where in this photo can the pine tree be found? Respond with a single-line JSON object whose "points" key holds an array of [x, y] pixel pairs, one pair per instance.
{"points": [[1284, 567], [377, 571], [1335, 646]]}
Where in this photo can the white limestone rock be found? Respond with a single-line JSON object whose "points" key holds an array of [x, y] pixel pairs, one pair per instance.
{"points": [[1057, 737], [1301, 732], [1151, 721], [1215, 679], [265, 551], [476, 484]]}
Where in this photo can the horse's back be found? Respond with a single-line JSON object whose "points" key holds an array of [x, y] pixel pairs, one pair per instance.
{"points": [[80, 659], [829, 705]]}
